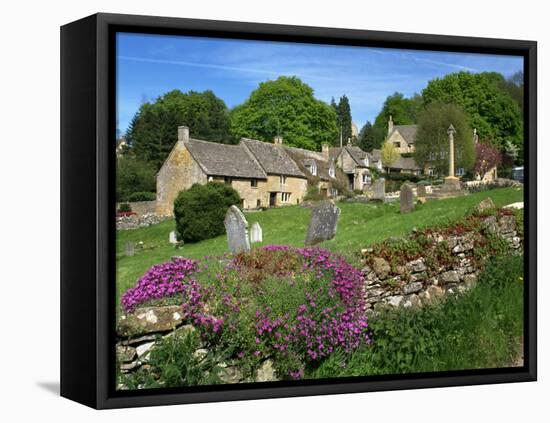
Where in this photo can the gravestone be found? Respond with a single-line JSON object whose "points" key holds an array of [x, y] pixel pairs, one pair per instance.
{"points": [[421, 190], [406, 198], [379, 189], [323, 223], [172, 238], [236, 228], [255, 233], [129, 249]]}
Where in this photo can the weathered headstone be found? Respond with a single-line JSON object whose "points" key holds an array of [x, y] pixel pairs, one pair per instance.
{"points": [[406, 198], [172, 238], [379, 189], [421, 190], [255, 233], [236, 228], [323, 223], [129, 249]]}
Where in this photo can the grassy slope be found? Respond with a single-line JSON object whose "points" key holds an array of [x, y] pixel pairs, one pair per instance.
{"points": [[359, 226]]}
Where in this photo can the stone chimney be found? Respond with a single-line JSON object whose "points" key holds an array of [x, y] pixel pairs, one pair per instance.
{"points": [[183, 134], [278, 140], [390, 125], [325, 150]]}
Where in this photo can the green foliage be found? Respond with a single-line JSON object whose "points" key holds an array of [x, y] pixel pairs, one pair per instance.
{"points": [[367, 137], [313, 194], [389, 154], [200, 210], [432, 140], [142, 196], [133, 175], [172, 364], [343, 112], [446, 336], [404, 111], [124, 208], [153, 131], [288, 108], [486, 99]]}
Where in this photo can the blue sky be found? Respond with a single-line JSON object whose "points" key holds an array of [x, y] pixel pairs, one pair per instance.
{"points": [[150, 65]]}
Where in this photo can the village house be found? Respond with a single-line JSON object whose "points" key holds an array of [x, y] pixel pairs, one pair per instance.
{"points": [[319, 168], [356, 164], [262, 173]]}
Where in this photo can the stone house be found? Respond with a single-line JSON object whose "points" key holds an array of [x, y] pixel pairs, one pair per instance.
{"points": [[262, 173], [319, 168], [356, 164], [402, 136]]}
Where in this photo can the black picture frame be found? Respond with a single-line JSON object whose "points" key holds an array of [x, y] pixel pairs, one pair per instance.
{"points": [[88, 206]]}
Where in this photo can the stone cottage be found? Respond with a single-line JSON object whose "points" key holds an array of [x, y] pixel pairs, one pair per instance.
{"points": [[262, 173], [355, 163]]}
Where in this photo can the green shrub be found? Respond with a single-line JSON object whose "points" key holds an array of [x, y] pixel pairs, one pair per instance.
{"points": [[200, 210], [172, 363], [479, 329], [124, 208], [313, 194], [142, 196]]}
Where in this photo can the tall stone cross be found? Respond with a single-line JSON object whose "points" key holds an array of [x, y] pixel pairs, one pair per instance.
{"points": [[451, 132]]}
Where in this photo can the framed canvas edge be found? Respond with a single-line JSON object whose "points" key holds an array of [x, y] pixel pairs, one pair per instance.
{"points": [[104, 163]]}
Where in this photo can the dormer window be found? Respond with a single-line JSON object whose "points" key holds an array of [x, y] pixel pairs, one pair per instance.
{"points": [[331, 172], [282, 178], [366, 161], [311, 167]]}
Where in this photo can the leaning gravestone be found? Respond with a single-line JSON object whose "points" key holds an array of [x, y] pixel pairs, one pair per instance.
{"points": [[129, 249], [236, 228], [323, 223], [172, 238], [406, 198], [255, 233], [379, 189], [421, 190]]}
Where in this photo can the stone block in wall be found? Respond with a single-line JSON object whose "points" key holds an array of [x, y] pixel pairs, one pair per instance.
{"points": [[147, 320]]}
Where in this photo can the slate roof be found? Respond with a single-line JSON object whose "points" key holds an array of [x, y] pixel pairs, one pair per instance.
{"points": [[357, 154], [272, 158], [407, 163], [225, 160], [408, 132], [375, 155], [303, 157]]}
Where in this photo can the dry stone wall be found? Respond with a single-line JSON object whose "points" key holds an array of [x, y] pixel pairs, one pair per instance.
{"points": [[416, 283]]}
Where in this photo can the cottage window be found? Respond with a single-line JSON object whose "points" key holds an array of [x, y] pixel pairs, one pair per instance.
{"points": [[312, 168], [460, 171], [285, 197], [331, 172], [227, 180], [333, 192], [366, 178], [431, 172], [283, 179], [254, 183]]}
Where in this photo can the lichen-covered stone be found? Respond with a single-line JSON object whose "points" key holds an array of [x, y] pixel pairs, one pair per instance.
{"points": [[484, 206], [266, 372], [451, 276], [381, 267], [125, 353], [412, 287], [147, 320]]}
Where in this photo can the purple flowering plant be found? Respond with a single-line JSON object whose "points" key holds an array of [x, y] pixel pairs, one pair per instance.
{"points": [[295, 306]]}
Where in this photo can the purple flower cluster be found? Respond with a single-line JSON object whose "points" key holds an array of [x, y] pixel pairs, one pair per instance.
{"points": [[160, 281]]}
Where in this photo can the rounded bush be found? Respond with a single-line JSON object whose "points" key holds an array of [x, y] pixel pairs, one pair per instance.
{"points": [[200, 210], [142, 196]]}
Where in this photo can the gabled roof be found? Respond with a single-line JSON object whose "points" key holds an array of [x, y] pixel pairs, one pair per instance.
{"points": [[408, 132], [303, 157], [272, 158], [407, 163], [375, 155], [357, 154], [225, 160]]}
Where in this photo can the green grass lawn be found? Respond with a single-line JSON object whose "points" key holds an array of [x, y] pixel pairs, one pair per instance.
{"points": [[359, 226]]}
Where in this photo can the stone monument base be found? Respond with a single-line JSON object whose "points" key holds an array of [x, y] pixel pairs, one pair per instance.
{"points": [[451, 184]]}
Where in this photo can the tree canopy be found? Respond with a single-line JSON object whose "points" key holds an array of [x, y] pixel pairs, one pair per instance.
{"points": [[286, 107], [367, 139], [490, 107], [153, 130], [343, 112], [432, 141], [404, 111], [389, 154], [133, 175]]}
